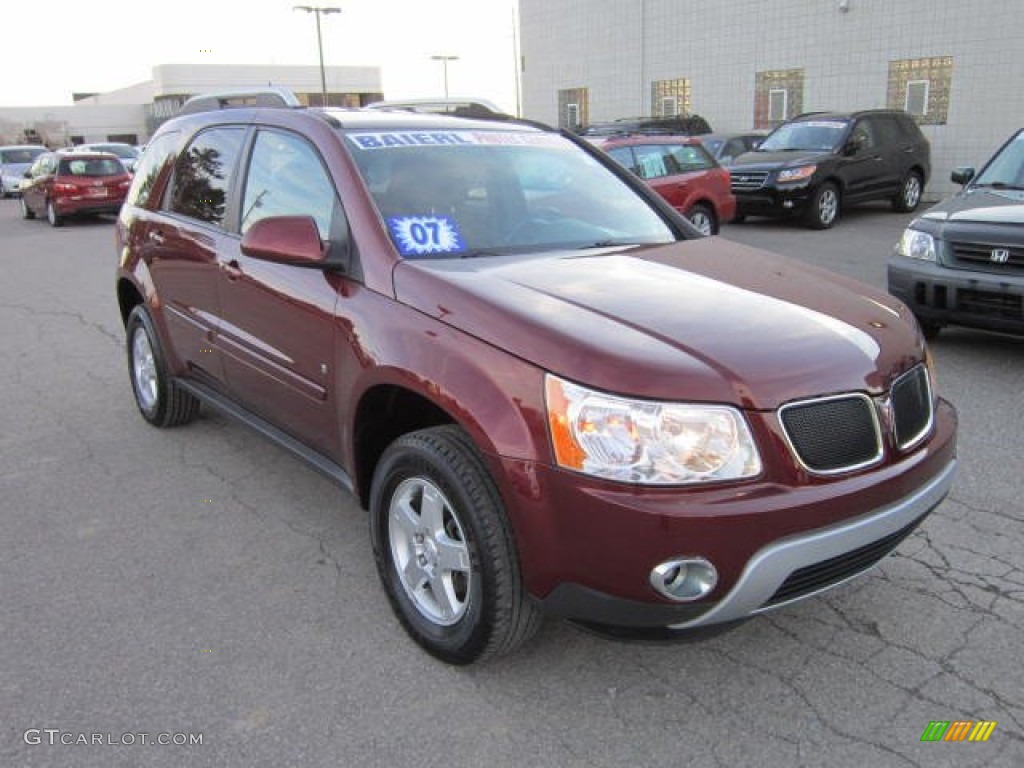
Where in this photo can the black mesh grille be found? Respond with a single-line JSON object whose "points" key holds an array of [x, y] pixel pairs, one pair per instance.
{"points": [[813, 578], [911, 406], [833, 435]]}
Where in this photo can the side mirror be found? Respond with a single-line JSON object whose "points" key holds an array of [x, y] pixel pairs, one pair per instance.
{"points": [[291, 240], [854, 145], [27, 174], [961, 175]]}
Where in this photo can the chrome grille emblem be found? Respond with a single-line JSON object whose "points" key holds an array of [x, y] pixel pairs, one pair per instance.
{"points": [[999, 255]]}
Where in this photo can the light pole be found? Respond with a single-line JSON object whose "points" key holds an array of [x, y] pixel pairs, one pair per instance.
{"points": [[318, 11], [444, 61]]}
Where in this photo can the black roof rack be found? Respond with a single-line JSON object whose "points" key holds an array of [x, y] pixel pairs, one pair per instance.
{"points": [[686, 125], [245, 97]]}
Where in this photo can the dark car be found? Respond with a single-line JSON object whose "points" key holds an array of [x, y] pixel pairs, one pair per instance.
{"points": [[551, 394], [679, 169], [60, 185], [670, 125], [962, 261], [726, 147], [819, 162]]}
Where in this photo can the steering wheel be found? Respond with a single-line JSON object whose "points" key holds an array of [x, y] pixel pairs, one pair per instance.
{"points": [[538, 218]]}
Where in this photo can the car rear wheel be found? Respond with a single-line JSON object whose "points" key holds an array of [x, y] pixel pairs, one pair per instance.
{"points": [[909, 195], [823, 212], [160, 400], [444, 548], [52, 216], [26, 212], [703, 218]]}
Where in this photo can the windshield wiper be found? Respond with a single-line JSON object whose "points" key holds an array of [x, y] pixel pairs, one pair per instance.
{"points": [[608, 244]]}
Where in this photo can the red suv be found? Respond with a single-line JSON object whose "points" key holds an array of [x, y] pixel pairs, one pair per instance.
{"points": [[682, 171], [60, 184], [552, 396]]}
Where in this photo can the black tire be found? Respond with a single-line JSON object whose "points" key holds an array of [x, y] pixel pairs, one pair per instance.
{"points": [[160, 400], [491, 614], [26, 212], [52, 216], [909, 196], [823, 210], [930, 328], [703, 218]]}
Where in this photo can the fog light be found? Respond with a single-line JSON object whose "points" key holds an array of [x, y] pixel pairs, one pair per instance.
{"points": [[685, 579]]}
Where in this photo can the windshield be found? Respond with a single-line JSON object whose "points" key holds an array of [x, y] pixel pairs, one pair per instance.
{"points": [[20, 156], [1006, 169], [815, 135], [474, 193]]}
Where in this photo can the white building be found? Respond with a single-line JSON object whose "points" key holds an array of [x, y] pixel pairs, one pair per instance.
{"points": [[742, 64], [132, 114]]}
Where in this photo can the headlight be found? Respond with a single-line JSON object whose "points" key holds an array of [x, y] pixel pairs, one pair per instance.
{"points": [[797, 174], [646, 442], [916, 244]]}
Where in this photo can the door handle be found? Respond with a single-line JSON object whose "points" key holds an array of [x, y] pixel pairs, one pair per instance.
{"points": [[156, 237], [233, 270]]}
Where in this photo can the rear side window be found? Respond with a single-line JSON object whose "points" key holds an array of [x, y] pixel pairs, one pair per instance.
{"points": [[90, 166], [655, 161], [157, 155], [202, 175], [287, 178]]}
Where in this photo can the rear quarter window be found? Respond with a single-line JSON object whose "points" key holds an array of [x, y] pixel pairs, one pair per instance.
{"points": [[157, 156]]}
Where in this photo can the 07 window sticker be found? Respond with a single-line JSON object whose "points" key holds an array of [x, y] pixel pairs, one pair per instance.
{"points": [[425, 235]]}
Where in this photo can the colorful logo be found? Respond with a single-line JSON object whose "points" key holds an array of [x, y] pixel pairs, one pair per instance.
{"points": [[958, 730]]}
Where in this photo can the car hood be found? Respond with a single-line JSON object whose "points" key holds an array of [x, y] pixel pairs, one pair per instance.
{"points": [[761, 161], [702, 320], [980, 204]]}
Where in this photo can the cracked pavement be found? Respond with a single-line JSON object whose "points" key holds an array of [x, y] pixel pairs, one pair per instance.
{"points": [[200, 580]]}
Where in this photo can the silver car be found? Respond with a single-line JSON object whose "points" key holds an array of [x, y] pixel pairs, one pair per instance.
{"points": [[14, 161]]}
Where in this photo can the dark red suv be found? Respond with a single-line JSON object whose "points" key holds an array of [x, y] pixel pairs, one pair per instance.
{"points": [[550, 394]]}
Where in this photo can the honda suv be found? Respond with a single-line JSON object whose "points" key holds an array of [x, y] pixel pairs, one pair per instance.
{"points": [[819, 162], [550, 393]]}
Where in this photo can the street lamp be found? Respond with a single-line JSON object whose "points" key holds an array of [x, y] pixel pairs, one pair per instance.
{"points": [[444, 61], [318, 11]]}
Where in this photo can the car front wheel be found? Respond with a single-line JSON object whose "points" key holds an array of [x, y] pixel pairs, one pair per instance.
{"points": [[444, 548], [823, 211], [909, 195], [160, 400]]}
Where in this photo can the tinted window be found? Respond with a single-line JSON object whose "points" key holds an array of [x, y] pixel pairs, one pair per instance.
{"points": [[149, 167], [286, 178], [203, 173], [90, 166], [888, 130]]}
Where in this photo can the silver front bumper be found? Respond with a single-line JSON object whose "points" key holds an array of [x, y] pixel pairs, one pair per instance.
{"points": [[772, 565]]}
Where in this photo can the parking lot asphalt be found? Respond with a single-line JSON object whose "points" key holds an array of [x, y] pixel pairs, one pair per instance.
{"points": [[200, 581]]}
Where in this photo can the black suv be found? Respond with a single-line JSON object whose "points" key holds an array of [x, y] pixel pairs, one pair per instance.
{"points": [[820, 161], [962, 261]]}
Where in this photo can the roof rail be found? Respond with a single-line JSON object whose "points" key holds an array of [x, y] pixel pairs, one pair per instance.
{"points": [[242, 97], [467, 107]]}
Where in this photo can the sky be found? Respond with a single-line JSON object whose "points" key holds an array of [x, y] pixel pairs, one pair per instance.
{"points": [[102, 45]]}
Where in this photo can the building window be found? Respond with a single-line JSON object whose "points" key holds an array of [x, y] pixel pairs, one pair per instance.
{"points": [[778, 96], [670, 98], [573, 108], [916, 102], [777, 105], [922, 87]]}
